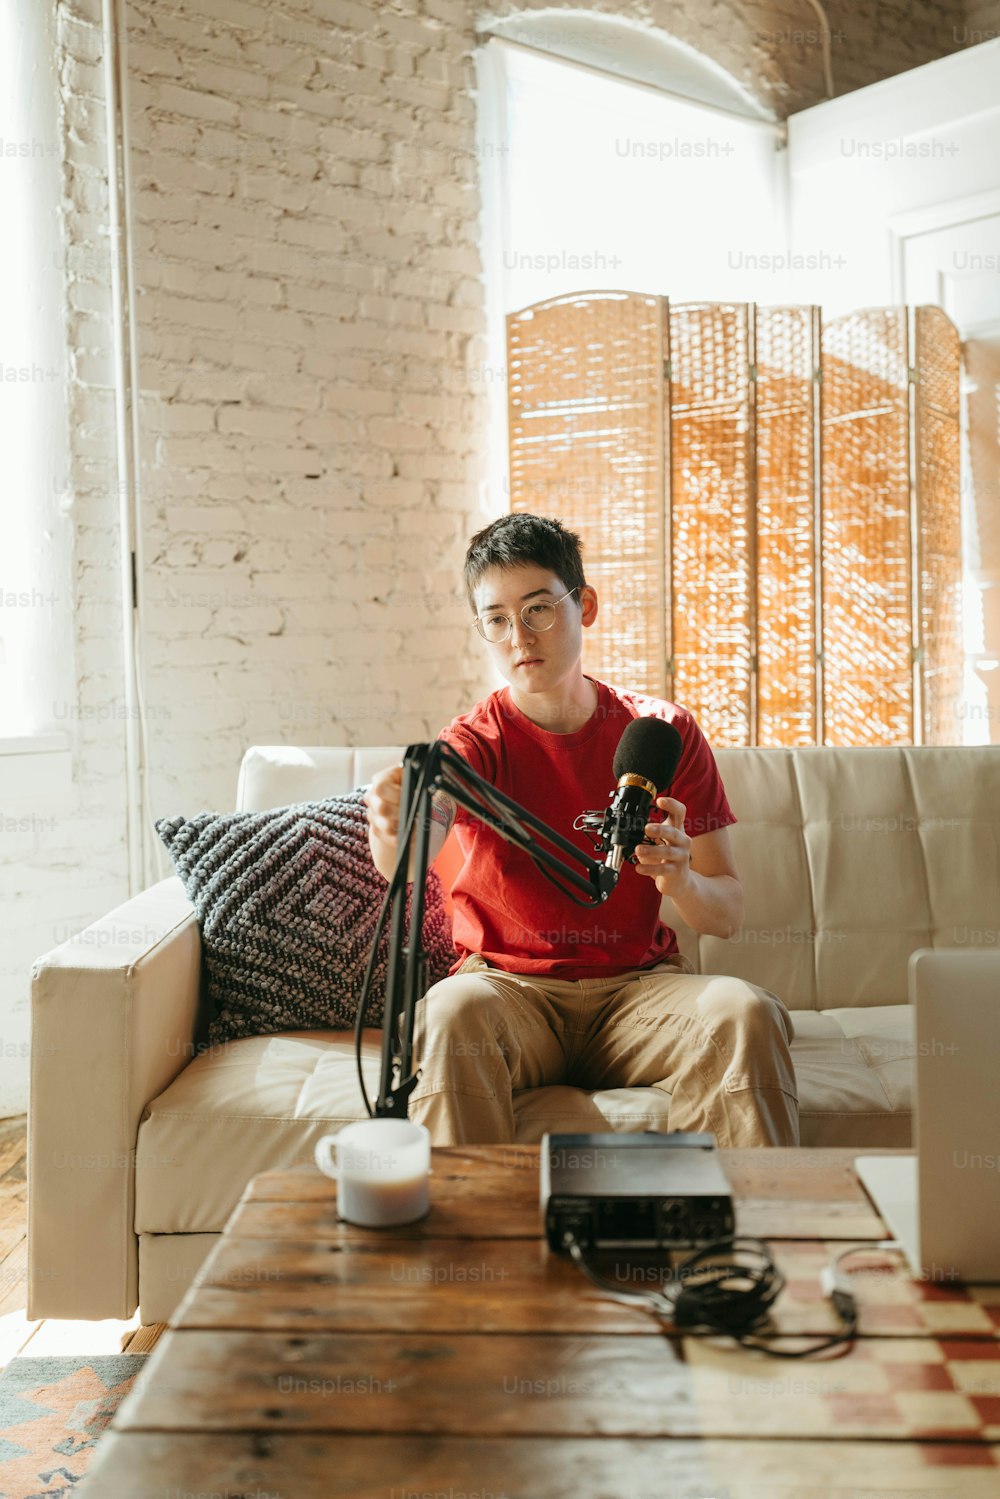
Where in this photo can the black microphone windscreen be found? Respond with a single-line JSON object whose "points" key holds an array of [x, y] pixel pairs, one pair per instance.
{"points": [[652, 748]]}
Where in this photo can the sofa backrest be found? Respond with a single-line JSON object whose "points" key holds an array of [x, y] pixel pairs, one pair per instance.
{"points": [[850, 858], [275, 775]]}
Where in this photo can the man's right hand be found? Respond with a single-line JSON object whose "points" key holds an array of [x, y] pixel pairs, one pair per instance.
{"points": [[382, 800]]}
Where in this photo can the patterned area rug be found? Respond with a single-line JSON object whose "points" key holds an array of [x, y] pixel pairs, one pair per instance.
{"points": [[52, 1414]]}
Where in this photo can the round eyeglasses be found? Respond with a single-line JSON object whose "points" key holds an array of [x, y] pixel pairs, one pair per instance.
{"points": [[537, 616]]}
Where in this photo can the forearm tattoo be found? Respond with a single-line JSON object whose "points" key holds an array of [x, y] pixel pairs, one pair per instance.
{"points": [[441, 811]]}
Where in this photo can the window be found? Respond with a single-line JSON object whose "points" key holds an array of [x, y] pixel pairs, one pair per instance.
{"points": [[592, 181], [609, 184], [35, 603]]}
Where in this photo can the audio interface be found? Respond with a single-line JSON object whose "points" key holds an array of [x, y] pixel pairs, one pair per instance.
{"points": [[638, 1191]]}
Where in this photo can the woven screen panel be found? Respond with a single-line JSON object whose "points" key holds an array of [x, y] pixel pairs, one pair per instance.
{"points": [[586, 420], [937, 359], [713, 531], [711, 517], [867, 616], [787, 357]]}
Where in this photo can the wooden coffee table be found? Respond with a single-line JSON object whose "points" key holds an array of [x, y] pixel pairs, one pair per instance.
{"points": [[458, 1357]]}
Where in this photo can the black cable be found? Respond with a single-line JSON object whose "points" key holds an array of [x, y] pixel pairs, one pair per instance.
{"points": [[727, 1287]]}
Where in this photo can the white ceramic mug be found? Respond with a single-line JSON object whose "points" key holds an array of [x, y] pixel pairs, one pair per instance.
{"points": [[381, 1167]]}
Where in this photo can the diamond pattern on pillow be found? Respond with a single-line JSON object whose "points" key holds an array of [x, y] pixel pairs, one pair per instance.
{"points": [[287, 902]]}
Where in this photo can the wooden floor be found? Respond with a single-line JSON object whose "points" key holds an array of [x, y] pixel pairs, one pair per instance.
{"points": [[42, 1339]]}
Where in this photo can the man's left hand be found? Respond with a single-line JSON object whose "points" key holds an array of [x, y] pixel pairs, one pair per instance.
{"points": [[667, 858]]}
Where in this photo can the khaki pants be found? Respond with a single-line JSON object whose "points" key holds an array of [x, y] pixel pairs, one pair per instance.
{"points": [[718, 1045]]}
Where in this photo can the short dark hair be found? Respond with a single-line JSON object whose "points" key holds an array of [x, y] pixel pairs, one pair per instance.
{"points": [[516, 539]]}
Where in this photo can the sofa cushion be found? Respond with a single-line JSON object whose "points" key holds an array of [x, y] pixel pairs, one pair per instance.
{"points": [[250, 1105], [261, 1104], [851, 860], [854, 1069], [287, 901]]}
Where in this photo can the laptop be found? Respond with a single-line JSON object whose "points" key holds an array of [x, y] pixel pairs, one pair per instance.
{"points": [[942, 1204]]}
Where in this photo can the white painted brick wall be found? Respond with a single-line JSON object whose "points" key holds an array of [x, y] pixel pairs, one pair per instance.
{"points": [[283, 265], [310, 310]]}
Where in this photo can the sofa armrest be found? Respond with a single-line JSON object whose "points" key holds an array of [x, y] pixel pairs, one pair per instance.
{"points": [[114, 1015]]}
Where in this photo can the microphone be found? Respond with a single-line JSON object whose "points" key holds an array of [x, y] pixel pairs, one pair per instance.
{"points": [[645, 764]]}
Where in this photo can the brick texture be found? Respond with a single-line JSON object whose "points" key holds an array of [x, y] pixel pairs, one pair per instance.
{"points": [[981, 23], [310, 321]]}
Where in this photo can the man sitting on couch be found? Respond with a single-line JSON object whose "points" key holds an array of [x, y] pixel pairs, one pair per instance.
{"points": [[545, 991]]}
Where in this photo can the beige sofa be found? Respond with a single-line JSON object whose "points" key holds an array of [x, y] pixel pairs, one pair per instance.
{"points": [[139, 1144]]}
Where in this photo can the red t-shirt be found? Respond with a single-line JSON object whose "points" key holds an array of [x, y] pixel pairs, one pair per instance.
{"points": [[503, 907]]}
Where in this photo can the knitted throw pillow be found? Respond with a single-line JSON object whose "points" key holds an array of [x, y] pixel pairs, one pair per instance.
{"points": [[287, 902]]}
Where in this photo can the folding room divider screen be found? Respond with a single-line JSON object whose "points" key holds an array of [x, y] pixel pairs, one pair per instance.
{"points": [[770, 508]]}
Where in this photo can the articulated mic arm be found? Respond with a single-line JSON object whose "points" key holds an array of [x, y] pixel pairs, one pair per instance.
{"points": [[428, 768]]}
